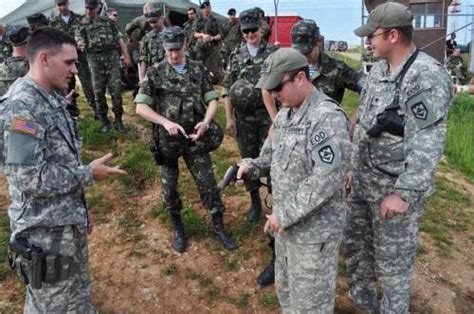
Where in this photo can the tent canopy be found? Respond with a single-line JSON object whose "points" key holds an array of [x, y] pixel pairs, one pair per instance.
{"points": [[127, 9]]}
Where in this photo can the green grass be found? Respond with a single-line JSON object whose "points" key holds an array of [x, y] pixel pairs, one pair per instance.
{"points": [[4, 239], [349, 61], [99, 205], [269, 301], [460, 140], [193, 223], [138, 161], [93, 138], [445, 213], [170, 270], [350, 102]]}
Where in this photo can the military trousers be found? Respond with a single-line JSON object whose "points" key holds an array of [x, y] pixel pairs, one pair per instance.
{"points": [[84, 74], [105, 73], [252, 130], [380, 249], [305, 275], [200, 165], [210, 55], [72, 295]]}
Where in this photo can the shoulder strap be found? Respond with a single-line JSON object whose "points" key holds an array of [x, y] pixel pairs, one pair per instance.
{"points": [[406, 66]]}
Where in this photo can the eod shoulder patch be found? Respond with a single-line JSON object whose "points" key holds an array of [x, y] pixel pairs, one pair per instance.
{"points": [[325, 151]]}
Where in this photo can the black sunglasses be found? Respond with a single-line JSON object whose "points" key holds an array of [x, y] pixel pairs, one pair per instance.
{"points": [[250, 30], [280, 86]]}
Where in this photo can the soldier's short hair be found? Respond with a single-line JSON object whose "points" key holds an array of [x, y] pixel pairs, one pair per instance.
{"points": [[192, 9], [49, 38], [205, 4]]}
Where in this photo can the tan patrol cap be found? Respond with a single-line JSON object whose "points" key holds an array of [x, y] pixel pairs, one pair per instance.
{"points": [[386, 15], [277, 64]]}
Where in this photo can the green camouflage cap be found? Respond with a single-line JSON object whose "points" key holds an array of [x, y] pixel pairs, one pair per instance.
{"points": [[387, 15], [303, 35], [91, 3], [173, 37], [249, 19], [278, 64], [153, 15]]}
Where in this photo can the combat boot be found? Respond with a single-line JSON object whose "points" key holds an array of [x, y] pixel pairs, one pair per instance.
{"points": [[220, 234], [179, 238], [255, 210], [118, 124], [267, 276], [105, 123]]}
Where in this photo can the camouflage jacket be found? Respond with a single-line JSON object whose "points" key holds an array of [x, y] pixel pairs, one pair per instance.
{"points": [[335, 76], [137, 28], [457, 69], [243, 66], [71, 26], [99, 34], [151, 48], [42, 159], [189, 32], [11, 69], [307, 157], [178, 97], [389, 163], [208, 26], [5, 48], [266, 31], [232, 35]]}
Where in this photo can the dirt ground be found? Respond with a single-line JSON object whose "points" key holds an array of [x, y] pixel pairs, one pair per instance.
{"points": [[134, 270]]}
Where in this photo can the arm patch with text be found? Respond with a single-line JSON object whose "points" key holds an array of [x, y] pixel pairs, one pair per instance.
{"points": [[325, 151]]}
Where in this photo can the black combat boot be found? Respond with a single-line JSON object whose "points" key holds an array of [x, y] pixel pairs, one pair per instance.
{"points": [[179, 238], [118, 124], [267, 276], [220, 234], [105, 123], [255, 210]]}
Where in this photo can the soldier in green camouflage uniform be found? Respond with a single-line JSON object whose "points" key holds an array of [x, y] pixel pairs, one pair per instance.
{"points": [[307, 157], [265, 28], [151, 46], [40, 154], [328, 75], [189, 32], [180, 88], [244, 102], [37, 20], [208, 33], [69, 22], [457, 68], [15, 66], [393, 163], [232, 36], [5, 46], [99, 37]]}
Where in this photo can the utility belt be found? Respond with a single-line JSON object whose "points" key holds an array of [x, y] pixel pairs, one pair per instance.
{"points": [[34, 266]]}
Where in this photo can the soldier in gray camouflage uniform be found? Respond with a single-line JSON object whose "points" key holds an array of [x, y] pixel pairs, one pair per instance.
{"points": [[15, 66], [40, 151], [180, 88], [232, 35], [69, 22], [5, 46], [307, 157], [151, 46], [244, 102], [329, 75], [208, 33], [397, 144], [99, 37]]}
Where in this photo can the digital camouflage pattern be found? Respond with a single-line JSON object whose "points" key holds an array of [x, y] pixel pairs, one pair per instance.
{"points": [[101, 36], [307, 158], [151, 48], [209, 52], [457, 69], [386, 249], [180, 98], [84, 73], [334, 76], [40, 151], [11, 69], [251, 117]]}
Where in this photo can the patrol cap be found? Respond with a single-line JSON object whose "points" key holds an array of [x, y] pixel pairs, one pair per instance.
{"points": [[231, 11], [91, 3], [277, 64], [205, 4], [37, 18], [303, 35], [173, 37], [249, 19], [18, 35], [386, 15], [153, 14]]}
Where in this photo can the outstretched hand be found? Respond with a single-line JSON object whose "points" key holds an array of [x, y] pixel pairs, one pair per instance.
{"points": [[101, 171]]}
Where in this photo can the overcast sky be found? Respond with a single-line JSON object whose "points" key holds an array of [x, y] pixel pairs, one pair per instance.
{"points": [[336, 18]]}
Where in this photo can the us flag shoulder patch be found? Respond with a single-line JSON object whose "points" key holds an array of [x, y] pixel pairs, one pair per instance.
{"points": [[21, 125]]}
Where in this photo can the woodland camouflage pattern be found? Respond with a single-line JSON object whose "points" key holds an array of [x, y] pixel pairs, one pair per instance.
{"points": [[151, 48], [251, 116], [307, 158], [11, 69], [232, 38], [5, 48], [180, 98], [388, 164], [457, 69], [41, 155]]}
